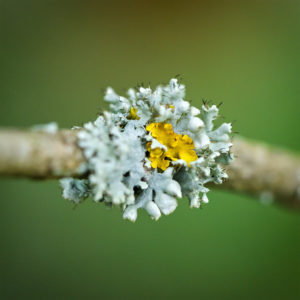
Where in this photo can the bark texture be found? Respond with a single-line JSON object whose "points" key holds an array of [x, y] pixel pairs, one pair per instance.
{"points": [[270, 173], [265, 172], [39, 154]]}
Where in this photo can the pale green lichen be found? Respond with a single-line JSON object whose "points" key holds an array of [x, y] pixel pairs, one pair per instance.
{"points": [[120, 172], [51, 127]]}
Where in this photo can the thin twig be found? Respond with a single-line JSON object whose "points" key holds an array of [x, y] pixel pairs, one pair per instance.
{"points": [[260, 170], [39, 154], [269, 173]]}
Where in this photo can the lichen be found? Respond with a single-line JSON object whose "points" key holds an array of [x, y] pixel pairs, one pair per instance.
{"points": [[151, 148], [51, 127]]}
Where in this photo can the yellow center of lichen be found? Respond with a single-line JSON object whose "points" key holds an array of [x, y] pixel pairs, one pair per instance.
{"points": [[170, 106], [133, 114], [178, 146]]}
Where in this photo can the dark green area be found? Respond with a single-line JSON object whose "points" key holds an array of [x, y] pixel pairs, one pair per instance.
{"points": [[56, 59]]}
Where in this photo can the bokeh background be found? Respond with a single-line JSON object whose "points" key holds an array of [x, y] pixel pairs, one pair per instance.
{"points": [[56, 59]]}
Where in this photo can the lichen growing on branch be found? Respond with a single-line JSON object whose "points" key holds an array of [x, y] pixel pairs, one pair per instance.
{"points": [[151, 148]]}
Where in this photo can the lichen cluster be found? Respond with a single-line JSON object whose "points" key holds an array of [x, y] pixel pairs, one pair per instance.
{"points": [[151, 148]]}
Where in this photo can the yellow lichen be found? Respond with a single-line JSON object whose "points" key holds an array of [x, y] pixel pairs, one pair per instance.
{"points": [[178, 146], [157, 157], [170, 106], [133, 114]]}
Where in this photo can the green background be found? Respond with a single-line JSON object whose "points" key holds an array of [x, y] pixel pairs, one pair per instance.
{"points": [[56, 59]]}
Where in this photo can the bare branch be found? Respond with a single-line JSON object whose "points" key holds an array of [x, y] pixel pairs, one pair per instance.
{"points": [[266, 172], [258, 169], [39, 154]]}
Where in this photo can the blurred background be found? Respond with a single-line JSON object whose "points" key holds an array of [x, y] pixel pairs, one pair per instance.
{"points": [[57, 58]]}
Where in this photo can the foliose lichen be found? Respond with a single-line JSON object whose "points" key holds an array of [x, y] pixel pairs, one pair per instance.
{"points": [[151, 148]]}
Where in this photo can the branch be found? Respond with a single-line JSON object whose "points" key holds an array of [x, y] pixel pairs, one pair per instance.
{"points": [[270, 173], [258, 170], [39, 154]]}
